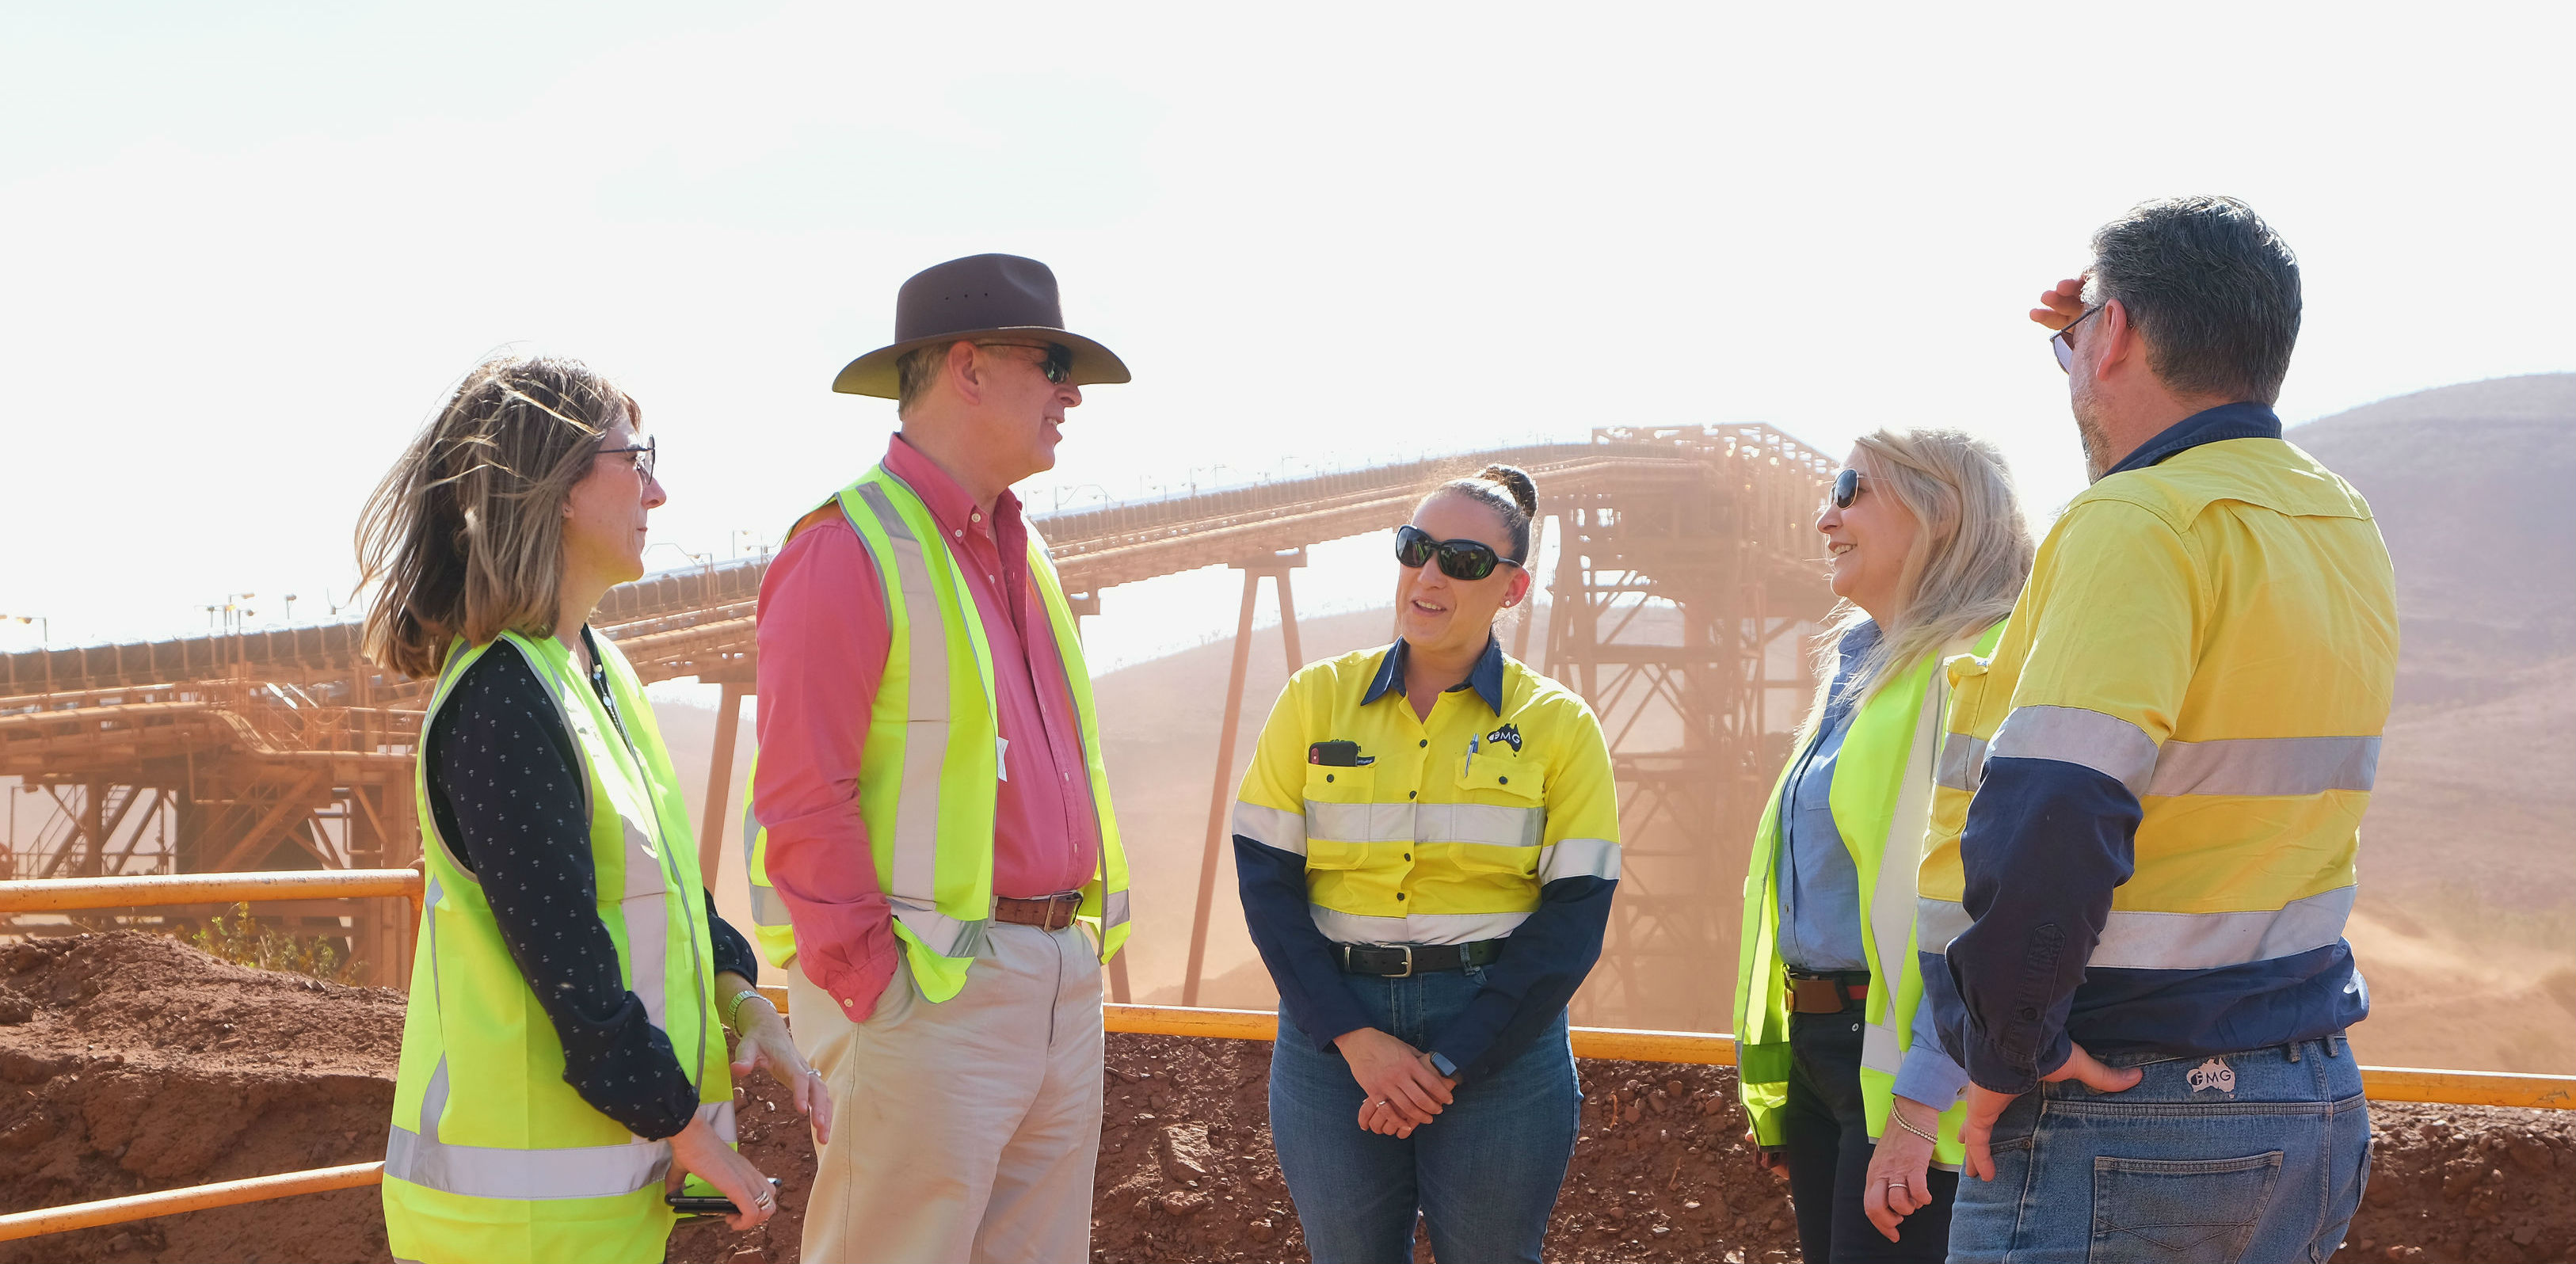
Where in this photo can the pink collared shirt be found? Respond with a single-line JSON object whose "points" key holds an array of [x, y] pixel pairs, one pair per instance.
{"points": [[823, 639]]}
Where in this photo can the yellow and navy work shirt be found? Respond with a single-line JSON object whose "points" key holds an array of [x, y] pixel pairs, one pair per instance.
{"points": [[1495, 817], [2169, 755]]}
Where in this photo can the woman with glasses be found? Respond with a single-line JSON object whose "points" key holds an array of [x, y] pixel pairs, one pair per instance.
{"points": [[1845, 1089], [1427, 843], [563, 1060]]}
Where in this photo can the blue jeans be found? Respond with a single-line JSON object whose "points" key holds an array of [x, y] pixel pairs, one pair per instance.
{"points": [[2255, 1156], [1483, 1176]]}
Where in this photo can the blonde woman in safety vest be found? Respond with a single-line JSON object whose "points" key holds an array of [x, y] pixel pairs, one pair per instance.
{"points": [[563, 1059], [1842, 1087], [1427, 844]]}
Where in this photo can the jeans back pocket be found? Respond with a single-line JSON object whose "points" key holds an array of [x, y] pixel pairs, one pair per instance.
{"points": [[2179, 1211]]}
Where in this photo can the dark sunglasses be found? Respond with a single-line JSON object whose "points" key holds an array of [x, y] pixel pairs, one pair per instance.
{"points": [[643, 455], [1459, 559], [1846, 488], [1058, 365], [2063, 341]]}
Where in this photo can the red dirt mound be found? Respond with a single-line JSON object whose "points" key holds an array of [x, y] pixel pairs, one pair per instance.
{"points": [[129, 1062], [134, 1063]]}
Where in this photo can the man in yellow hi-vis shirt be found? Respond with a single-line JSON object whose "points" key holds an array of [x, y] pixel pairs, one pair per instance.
{"points": [[2169, 754]]}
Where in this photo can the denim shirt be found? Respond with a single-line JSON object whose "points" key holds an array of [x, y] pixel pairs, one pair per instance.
{"points": [[1820, 889]]}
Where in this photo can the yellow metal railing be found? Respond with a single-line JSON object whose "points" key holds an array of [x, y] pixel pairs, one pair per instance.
{"points": [[2391, 1084]]}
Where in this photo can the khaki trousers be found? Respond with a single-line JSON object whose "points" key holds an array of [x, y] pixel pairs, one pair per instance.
{"points": [[966, 1130]]}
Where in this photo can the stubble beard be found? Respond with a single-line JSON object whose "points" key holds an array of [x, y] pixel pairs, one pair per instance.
{"points": [[2089, 431]]}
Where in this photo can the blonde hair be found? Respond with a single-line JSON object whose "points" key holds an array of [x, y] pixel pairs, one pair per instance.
{"points": [[1972, 553], [464, 537]]}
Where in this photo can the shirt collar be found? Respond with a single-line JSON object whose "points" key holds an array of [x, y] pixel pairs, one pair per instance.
{"points": [[1486, 678], [948, 503], [2209, 425]]}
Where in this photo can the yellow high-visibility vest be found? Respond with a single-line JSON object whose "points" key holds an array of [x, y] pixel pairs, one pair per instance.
{"points": [[930, 771], [1881, 801], [493, 1157]]}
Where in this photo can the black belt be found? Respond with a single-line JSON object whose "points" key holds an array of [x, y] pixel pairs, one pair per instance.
{"points": [[1405, 960]]}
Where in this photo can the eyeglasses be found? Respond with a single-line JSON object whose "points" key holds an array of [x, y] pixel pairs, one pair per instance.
{"points": [[2063, 341], [643, 455], [1846, 488], [1459, 559], [1058, 365]]}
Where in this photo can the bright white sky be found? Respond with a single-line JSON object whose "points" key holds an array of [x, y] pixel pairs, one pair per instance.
{"points": [[249, 246]]}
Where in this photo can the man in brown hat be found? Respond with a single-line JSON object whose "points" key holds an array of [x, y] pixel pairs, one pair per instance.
{"points": [[934, 818]]}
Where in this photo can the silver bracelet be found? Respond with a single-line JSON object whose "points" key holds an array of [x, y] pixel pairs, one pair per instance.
{"points": [[733, 1012], [1899, 1119]]}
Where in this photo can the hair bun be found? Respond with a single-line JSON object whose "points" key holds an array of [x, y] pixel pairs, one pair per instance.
{"points": [[1516, 481]]}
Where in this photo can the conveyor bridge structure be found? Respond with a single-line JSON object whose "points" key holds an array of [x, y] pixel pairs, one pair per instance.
{"points": [[1685, 569]]}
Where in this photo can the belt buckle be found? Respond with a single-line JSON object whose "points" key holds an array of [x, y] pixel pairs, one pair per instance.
{"points": [[1070, 907], [1408, 963]]}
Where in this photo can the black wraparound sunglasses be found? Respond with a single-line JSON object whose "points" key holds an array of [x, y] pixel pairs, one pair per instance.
{"points": [[1058, 365], [1459, 559]]}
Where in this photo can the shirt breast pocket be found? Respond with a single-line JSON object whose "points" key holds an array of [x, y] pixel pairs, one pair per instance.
{"points": [[1504, 779], [1500, 815], [1338, 810]]}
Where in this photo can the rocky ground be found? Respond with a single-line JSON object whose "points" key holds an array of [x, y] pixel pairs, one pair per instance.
{"points": [[130, 1062]]}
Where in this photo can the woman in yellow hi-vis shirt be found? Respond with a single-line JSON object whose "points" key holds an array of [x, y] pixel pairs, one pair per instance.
{"points": [[1840, 1077], [1427, 841]]}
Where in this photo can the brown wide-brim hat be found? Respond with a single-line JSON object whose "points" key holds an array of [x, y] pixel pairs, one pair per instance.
{"points": [[1003, 297]]}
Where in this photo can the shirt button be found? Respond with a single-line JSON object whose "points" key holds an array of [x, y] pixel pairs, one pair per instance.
{"points": [[1408, 855], [2026, 1014], [1502, 781], [1409, 794], [1424, 742], [1399, 895], [1328, 776], [959, 534]]}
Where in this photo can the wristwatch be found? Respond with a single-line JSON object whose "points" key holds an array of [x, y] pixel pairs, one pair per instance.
{"points": [[1440, 1062]]}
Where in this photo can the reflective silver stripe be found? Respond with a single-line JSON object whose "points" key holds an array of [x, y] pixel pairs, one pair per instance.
{"points": [[1963, 762], [2206, 941], [937, 931], [1421, 928], [1360, 822], [1878, 1048], [1271, 827], [719, 1116], [418, 1156], [2106, 744], [525, 1175], [1900, 860], [1937, 922], [1113, 910], [2266, 766], [768, 908], [645, 907], [1578, 858], [2179, 941], [926, 734], [1485, 823]]}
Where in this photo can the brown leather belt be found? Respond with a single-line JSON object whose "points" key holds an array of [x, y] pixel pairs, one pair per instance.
{"points": [[1055, 912], [1831, 993]]}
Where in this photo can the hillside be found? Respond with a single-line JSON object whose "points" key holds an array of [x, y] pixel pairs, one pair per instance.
{"points": [[2470, 484], [2468, 861]]}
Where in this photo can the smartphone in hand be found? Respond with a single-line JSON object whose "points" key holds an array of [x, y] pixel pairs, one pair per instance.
{"points": [[692, 1204]]}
